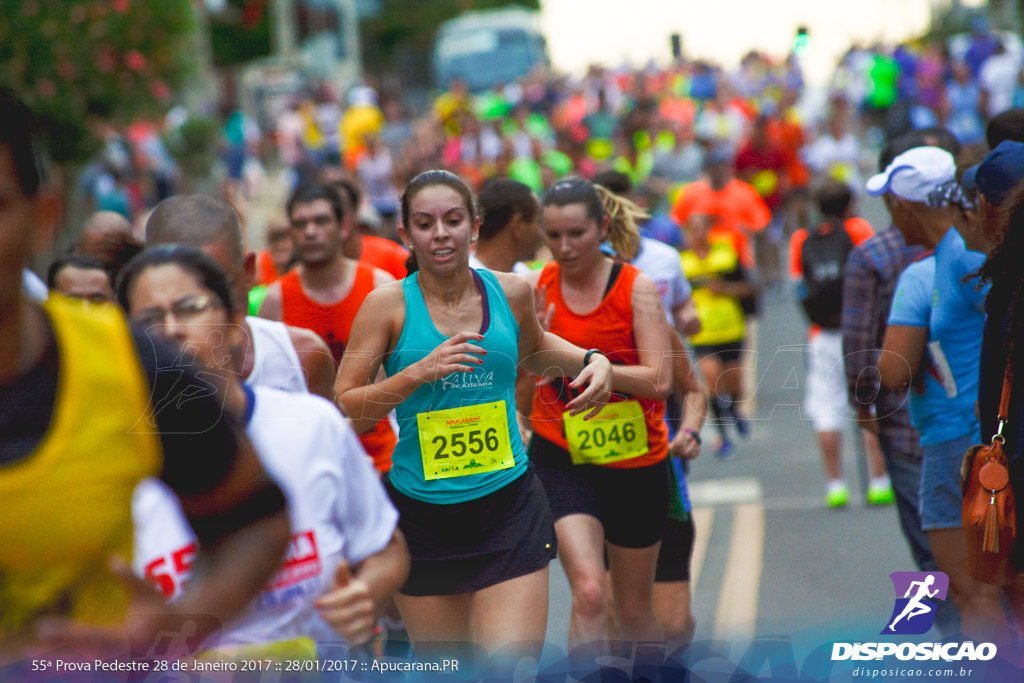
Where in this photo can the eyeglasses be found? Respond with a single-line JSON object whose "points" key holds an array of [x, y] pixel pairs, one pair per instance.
{"points": [[183, 310]]}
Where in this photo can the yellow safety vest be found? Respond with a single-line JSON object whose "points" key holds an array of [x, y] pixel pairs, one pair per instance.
{"points": [[66, 508], [721, 316]]}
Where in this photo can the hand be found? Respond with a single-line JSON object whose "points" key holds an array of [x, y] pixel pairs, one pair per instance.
{"points": [[544, 314], [867, 420], [717, 287], [348, 607], [525, 432], [450, 356], [598, 378], [149, 618], [683, 445]]}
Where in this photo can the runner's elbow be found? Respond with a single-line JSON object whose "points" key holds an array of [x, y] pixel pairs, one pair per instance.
{"points": [[894, 376], [352, 406], [663, 386]]}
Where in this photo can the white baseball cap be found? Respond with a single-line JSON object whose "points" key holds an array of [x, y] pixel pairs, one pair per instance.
{"points": [[914, 174]]}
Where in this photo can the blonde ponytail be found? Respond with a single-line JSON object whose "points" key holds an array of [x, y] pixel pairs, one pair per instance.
{"points": [[623, 231]]}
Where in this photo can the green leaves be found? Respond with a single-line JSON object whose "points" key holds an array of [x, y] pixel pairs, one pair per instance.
{"points": [[81, 63]]}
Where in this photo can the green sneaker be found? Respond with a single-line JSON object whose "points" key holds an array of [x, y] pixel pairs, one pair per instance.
{"points": [[838, 497], [881, 495]]}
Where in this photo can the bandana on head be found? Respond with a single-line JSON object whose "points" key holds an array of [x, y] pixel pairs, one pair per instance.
{"points": [[947, 194]]}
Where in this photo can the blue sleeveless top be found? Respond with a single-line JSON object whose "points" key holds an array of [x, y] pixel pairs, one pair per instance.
{"points": [[493, 381]]}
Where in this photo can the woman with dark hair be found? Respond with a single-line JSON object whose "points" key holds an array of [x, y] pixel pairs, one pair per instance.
{"points": [[1002, 347], [607, 481], [346, 556], [450, 339]]}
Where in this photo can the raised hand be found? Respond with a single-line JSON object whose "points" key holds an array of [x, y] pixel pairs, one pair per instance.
{"points": [[597, 377], [453, 355]]}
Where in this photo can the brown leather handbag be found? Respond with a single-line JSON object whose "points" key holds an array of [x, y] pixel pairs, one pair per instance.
{"points": [[989, 508]]}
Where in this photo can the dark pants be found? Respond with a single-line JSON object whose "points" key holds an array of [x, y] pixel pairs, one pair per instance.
{"points": [[905, 474]]}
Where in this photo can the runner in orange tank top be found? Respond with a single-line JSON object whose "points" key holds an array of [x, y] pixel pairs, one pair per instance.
{"points": [[609, 328], [325, 291], [606, 480], [333, 322]]}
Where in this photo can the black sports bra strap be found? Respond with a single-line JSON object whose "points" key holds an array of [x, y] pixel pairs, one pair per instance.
{"points": [[613, 277]]}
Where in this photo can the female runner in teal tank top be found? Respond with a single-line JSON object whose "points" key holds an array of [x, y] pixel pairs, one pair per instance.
{"points": [[450, 340]]}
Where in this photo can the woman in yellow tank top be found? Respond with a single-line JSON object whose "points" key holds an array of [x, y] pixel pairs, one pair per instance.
{"points": [[719, 281], [84, 414]]}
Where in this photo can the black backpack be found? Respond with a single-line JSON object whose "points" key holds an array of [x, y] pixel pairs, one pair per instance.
{"points": [[823, 261]]}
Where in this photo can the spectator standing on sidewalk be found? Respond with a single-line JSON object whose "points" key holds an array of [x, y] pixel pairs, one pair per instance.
{"points": [[871, 274]]}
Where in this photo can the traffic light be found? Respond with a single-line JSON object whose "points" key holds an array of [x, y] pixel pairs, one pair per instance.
{"points": [[677, 45], [802, 41]]}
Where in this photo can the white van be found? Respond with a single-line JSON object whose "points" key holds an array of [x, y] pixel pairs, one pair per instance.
{"points": [[487, 48]]}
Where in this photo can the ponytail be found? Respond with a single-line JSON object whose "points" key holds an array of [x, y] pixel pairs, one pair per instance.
{"points": [[411, 266], [623, 231]]}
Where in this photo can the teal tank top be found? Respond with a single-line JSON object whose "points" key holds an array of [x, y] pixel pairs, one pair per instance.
{"points": [[491, 382]]}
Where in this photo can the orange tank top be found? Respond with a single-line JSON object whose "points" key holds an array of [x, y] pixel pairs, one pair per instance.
{"points": [[333, 322], [266, 271], [609, 328]]}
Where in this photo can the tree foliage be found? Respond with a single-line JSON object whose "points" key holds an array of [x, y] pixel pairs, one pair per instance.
{"points": [[406, 28], [79, 62]]}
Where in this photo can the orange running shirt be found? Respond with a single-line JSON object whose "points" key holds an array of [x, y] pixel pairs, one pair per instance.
{"points": [[608, 328], [734, 209], [266, 271], [334, 325], [384, 254]]}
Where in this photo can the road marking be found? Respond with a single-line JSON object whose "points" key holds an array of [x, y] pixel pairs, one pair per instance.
{"points": [[736, 613], [726, 491], [703, 521]]}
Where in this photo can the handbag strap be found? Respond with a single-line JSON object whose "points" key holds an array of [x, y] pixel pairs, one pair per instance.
{"points": [[1004, 403]]}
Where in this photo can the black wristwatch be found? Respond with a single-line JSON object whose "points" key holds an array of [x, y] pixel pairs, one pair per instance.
{"points": [[695, 434], [589, 354]]}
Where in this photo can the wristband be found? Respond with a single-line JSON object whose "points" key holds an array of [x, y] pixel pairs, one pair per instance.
{"points": [[695, 434], [589, 354]]}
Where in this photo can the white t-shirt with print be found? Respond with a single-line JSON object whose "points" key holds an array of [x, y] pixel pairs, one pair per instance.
{"points": [[337, 506], [662, 264]]}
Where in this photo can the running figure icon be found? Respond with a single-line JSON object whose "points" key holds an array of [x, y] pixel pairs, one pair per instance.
{"points": [[915, 606]]}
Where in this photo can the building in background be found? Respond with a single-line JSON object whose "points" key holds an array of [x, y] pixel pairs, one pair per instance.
{"points": [[266, 51]]}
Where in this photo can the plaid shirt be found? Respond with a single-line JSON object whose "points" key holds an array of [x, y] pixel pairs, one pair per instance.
{"points": [[870, 281]]}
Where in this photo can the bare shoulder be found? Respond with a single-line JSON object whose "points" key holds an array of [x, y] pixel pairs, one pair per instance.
{"points": [[646, 299], [532, 278], [517, 288], [384, 303], [381, 277], [644, 285], [389, 291], [306, 341], [272, 307]]}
